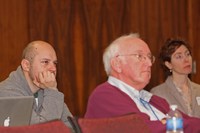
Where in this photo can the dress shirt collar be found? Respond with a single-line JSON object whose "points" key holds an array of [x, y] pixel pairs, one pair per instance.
{"points": [[132, 92]]}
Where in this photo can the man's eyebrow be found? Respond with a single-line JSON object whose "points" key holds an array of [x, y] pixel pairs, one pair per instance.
{"points": [[141, 52], [45, 59]]}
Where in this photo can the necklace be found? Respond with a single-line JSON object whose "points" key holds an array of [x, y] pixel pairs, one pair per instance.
{"points": [[185, 93]]}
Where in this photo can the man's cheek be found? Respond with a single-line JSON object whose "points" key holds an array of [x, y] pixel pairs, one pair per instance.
{"points": [[55, 74], [36, 77]]}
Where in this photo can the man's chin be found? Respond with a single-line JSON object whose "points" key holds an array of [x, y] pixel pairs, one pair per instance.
{"points": [[146, 81], [147, 78]]}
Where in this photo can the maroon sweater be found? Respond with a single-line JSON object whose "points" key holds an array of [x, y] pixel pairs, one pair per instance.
{"points": [[109, 101]]}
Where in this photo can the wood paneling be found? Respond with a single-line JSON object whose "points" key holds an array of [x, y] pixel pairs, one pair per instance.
{"points": [[13, 34], [194, 30], [81, 29]]}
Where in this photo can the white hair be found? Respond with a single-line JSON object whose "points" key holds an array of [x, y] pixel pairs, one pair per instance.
{"points": [[114, 49]]}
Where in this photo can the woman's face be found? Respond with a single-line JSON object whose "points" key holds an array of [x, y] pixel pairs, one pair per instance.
{"points": [[181, 61]]}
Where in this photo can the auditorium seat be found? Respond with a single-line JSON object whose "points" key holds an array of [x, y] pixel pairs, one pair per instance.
{"points": [[130, 123]]}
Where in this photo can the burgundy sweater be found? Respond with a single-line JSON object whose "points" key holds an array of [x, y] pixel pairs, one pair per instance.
{"points": [[108, 101]]}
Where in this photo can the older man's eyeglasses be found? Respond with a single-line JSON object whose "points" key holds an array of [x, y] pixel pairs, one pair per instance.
{"points": [[141, 57]]}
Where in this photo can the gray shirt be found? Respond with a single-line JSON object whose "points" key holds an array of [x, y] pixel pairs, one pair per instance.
{"points": [[50, 105]]}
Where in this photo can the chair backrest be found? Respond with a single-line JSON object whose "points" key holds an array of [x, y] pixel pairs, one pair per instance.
{"points": [[49, 127], [131, 123]]}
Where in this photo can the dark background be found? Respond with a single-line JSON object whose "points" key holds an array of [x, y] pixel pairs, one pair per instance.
{"points": [[81, 29]]}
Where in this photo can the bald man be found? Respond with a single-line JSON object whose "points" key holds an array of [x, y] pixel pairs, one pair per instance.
{"points": [[36, 76]]}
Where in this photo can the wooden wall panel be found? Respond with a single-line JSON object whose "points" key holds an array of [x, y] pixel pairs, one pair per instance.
{"points": [[13, 34], [81, 29], [194, 27], [57, 24]]}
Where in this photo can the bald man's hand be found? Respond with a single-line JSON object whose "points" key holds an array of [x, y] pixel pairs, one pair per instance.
{"points": [[45, 80]]}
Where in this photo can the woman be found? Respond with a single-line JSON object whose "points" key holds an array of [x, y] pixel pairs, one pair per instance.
{"points": [[176, 61]]}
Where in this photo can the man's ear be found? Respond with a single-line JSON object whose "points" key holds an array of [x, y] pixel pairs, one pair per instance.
{"points": [[168, 65], [115, 64], [25, 65]]}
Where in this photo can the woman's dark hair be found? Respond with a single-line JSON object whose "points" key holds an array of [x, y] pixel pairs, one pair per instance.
{"points": [[169, 47]]}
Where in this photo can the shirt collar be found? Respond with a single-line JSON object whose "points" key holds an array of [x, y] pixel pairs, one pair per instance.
{"points": [[129, 90]]}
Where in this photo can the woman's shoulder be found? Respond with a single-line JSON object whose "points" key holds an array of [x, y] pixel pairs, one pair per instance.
{"points": [[195, 85], [159, 87]]}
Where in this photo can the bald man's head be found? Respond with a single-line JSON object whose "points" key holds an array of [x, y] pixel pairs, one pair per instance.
{"points": [[31, 49]]}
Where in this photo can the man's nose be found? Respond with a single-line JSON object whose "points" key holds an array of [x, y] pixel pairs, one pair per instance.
{"points": [[148, 61], [52, 67]]}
